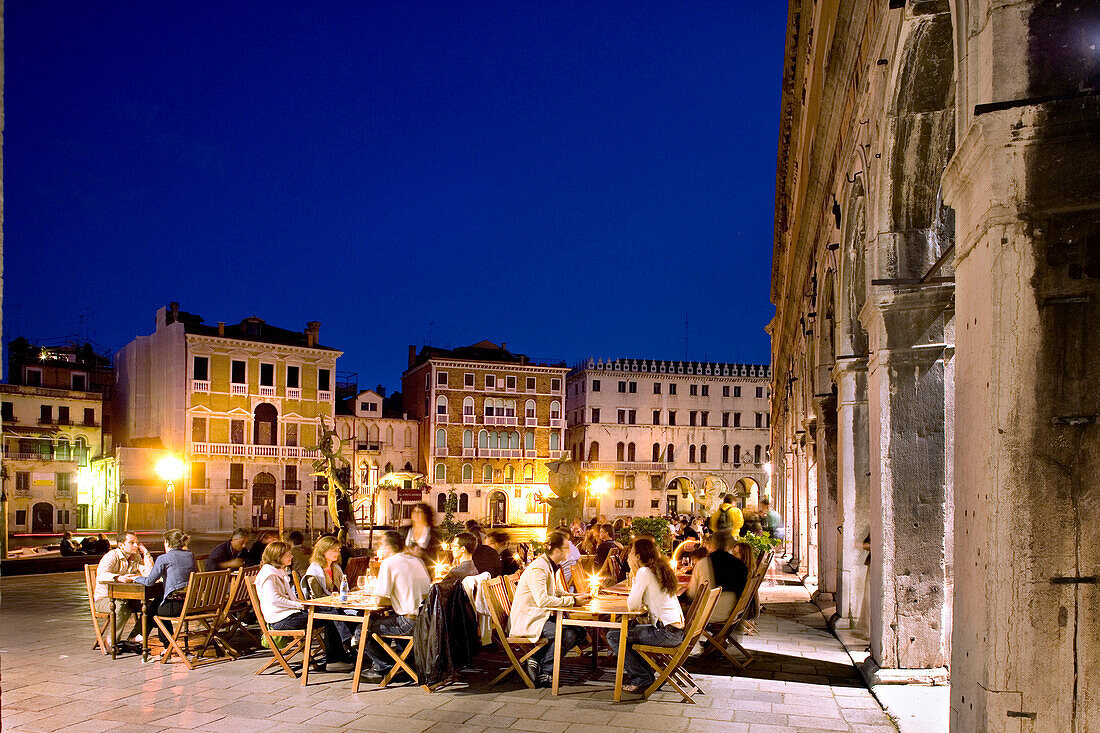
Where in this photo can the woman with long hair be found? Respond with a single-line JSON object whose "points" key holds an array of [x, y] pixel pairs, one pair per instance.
{"points": [[655, 588], [281, 609], [324, 574], [174, 567], [421, 537]]}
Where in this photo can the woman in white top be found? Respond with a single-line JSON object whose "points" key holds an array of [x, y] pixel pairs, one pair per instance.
{"points": [[281, 609], [654, 588]]}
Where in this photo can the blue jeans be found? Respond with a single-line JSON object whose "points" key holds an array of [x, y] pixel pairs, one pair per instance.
{"points": [[383, 626], [570, 636], [635, 669]]}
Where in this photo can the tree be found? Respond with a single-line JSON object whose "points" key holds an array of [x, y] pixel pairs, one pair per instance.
{"points": [[449, 527]]}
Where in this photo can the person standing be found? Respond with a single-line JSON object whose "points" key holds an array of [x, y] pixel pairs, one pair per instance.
{"points": [[402, 582], [537, 595], [422, 539], [727, 518], [654, 588], [773, 523], [498, 540], [123, 564]]}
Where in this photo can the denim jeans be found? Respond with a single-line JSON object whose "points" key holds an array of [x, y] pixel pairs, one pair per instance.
{"points": [[383, 626], [570, 637], [635, 669]]}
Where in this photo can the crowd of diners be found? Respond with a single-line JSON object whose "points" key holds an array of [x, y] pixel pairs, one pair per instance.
{"points": [[408, 559]]}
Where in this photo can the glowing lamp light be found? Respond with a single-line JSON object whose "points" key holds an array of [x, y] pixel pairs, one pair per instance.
{"points": [[593, 585], [600, 484], [768, 467], [169, 468]]}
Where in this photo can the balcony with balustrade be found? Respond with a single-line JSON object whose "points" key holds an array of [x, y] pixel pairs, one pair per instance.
{"points": [[624, 466], [248, 450], [200, 385]]}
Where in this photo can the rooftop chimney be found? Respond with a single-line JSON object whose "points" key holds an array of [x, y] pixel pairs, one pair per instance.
{"points": [[503, 345], [412, 354], [381, 391], [312, 329], [175, 308], [221, 328]]}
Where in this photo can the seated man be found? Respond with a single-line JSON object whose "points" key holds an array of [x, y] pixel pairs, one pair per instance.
{"points": [[402, 582], [298, 550], [570, 561], [231, 553], [256, 552], [126, 562], [537, 594], [462, 554], [498, 540], [102, 544], [720, 569], [607, 543]]}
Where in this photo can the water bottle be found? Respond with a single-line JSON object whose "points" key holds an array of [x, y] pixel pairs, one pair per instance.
{"points": [[344, 589]]}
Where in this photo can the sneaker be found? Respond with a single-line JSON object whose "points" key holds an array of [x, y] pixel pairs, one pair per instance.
{"points": [[531, 667], [544, 681]]}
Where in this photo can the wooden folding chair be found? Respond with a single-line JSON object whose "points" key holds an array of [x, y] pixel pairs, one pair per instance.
{"points": [[101, 631], [297, 580], [237, 608], [204, 604], [356, 567], [667, 661], [500, 606], [724, 635], [289, 651], [400, 660]]}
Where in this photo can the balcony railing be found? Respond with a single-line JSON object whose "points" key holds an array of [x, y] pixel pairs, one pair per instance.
{"points": [[292, 486], [200, 385], [528, 453], [557, 422], [557, 454], [64, 493], [252, 451], [439, 452], [293, 393], [324, 396], [238, 389], [235, 484], [469, 452], [469, 419], [23, 493], [267, 391], [531, 422], [622, 466], [441, 417]]}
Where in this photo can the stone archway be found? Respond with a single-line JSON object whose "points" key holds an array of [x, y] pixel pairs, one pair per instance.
{"points": [[42, 518], [263, 500], [498, 508]]}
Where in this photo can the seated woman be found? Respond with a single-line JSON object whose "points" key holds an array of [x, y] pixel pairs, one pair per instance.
{"points": [[654, 588], [280, 608], [174, 567], [324, 577], [722, 570]]}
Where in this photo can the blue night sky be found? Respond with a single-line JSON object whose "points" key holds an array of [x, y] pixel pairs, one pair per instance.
{"points": [[572, 178]]}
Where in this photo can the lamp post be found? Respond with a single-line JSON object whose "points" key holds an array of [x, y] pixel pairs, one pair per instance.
{"points": [[169, 470], [597, 486]]}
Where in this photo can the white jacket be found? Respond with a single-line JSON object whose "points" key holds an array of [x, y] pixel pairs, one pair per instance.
{"points": [[537, 594], [318, 584], [277, 601]]}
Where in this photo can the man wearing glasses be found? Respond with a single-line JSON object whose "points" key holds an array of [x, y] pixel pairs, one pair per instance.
{"points": [[124, 563]]}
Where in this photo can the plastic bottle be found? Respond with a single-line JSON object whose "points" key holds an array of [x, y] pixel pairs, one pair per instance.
{"points": [[343, 589]]}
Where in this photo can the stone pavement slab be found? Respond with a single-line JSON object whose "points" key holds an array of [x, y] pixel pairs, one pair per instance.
{"points": [[51, 679]]}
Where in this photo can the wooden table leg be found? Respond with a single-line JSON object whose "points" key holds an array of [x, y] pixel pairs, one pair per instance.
{"points": [[144, 630], [557, 652], [621, 660], [114, 620], [359, 652], [308, 647]]}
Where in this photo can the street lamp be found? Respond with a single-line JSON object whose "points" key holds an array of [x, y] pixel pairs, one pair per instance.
{"points": [[598, 486], [169, 470]]}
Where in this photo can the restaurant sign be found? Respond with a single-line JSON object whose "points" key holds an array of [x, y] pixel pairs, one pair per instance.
{"points": [[409, 492]]}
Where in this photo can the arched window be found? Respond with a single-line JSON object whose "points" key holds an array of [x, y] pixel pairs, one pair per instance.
{"points": [[372, 433], [620, 452], [488, 407], [691, 453], [463, 503], [756, 455], [555, 410], [389, 436], [529, 440], [703, 453], [467, 473], [487, 474], [440, 476], [408, 437], [555, 441], [362, 432], [468, 406], [408, 467], [656, 452], [510, 408], [467, 438], [513, 440], [483, 439], [630, 454], [509, 473], [265, 429], [441, 503], [441, 405], [441, 438], [529, 408], [725, 454], [669, 454], [389, 468], [736, 454], [528, 474], [594, 451], [62, 449]]}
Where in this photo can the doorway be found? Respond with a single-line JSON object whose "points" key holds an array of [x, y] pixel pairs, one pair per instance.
{"points": [[42, 518], [263, 500], [498, 508]]}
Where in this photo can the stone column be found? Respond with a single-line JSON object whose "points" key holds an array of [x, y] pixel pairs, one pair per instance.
{"points": [[853, 494], [909, 330], [827, 517], [1024, 181]]}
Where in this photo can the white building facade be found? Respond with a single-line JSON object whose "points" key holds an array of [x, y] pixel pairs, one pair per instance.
{"points": [[671, 437]]}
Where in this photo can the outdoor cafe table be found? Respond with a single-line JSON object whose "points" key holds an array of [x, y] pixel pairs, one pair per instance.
{"points": [[119, 591], [605, 612], [358, 601]]}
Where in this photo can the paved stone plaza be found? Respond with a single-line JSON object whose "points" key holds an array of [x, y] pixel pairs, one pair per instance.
{"points": [[51, 680]]}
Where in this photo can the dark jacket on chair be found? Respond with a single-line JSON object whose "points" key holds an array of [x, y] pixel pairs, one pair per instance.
{"points": [[445, 638]]}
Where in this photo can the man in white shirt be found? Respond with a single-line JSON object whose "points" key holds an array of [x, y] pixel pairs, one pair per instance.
{"points": [[402, 582], [123, 564], [537, 595]]}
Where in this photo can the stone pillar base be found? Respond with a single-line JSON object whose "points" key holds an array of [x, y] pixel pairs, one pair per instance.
{"points": [[875, 675], [822, 598]]}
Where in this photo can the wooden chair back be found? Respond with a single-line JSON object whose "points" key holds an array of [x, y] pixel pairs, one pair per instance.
{"points": [[668, 662], [207, 593], [281, 656], [696, 603], [500, 595], [100, 630], [356, 567], [297, 579]]}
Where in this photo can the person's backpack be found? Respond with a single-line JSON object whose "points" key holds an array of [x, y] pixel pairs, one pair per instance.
{"points": [[724, 523]]}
